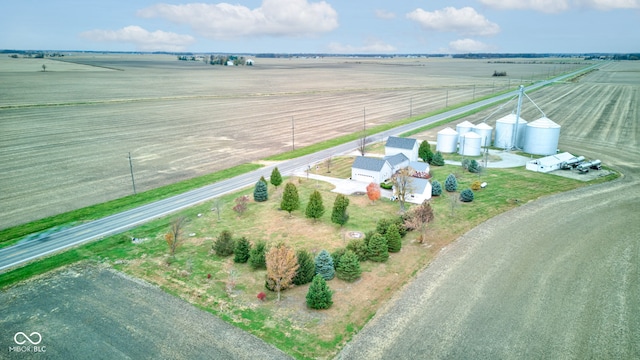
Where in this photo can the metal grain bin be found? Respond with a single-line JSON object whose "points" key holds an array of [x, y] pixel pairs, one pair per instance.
{"points": [[505, 128], [542, 137], [470, 144], [447, 140]]}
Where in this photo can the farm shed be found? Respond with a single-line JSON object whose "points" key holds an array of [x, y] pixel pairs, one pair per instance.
{"points": [[397, 161], [420, 191], [407, 146], [549, 163], [368, 169], [420, 166], [249, 62]]}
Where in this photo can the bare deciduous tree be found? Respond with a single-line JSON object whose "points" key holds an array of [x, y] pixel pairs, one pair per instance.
{"points": [[402, 185], [174, 236], [419, 219], [282, 265]]}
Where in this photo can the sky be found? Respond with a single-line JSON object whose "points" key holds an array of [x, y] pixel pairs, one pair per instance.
{"points": [[329, 26]]}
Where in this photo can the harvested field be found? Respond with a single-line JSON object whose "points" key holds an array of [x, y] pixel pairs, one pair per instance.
{"points": [[66, 132]]}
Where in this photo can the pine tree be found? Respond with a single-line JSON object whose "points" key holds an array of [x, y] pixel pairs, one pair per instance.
{"points": [[474, 167], [359, 247], [257, 255], [378, 248], [290, 199], [437, 159], [424, 151], [224, 244], [324, 265], [336, 256], [349, 267], [315, 208], [339, 214], [306, 268], [394, 241], [436, 188], [276, 178], [466, 195], [451, 183], [319, 294], [260, 192], [241, 251]]}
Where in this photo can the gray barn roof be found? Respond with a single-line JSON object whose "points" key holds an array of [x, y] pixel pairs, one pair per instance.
{"points": [[368, 163], [401, 143], [419, 185], [396, 159]]}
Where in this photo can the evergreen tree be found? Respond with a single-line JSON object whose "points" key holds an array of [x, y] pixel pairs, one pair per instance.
{"points": [[466, 195], [394, 241], [319, 294], [359, 247], [315, 208], [260, 192], [437, 159], [290, 199], [324, 265], [306, 268], [349, 267], [224, 244], [336, 256], [436, 188], [451, 183], [276, 178], [241, 251], [474, 167], [257, 254], [378, 248], [339, 214], [424, 151]]}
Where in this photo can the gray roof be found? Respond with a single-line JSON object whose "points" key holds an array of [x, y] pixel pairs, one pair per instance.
{"points": [[368, 163], [419, 166], [395, 160], [401, 143], [418, 185]]}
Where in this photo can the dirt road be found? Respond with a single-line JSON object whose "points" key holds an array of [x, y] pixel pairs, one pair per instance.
{"points": [[556, 278], [84, 312]]}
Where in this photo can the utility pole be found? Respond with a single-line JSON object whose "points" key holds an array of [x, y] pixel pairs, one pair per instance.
{"points": [[411, 107], [133, 182], [446, 101], [293, 137]]}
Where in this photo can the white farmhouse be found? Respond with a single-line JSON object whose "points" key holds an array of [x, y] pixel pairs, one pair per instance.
{"points": [[407, 146], [549, 163], [368, 169]]}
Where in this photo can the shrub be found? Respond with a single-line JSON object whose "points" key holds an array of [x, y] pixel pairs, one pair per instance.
{"points": [[306, 268], [319, 294], [367, 237], [474, 167], [324, 265], [466, 195], [257, 255], [436, 188], [465, 163], [315, 208], [349, 267], [339, 214], [260, 192], [424, 151], [451, 183], [437, 159], [276, 177], [359, 247], [378, 248], [290, 199], [262, 296], [224, 244], [394, 242], [336, 256], [241, 251], [382, 226], [386, 186], [475, 186]]}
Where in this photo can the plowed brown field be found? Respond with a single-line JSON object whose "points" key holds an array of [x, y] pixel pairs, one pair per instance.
{"points": [[65, 133]]}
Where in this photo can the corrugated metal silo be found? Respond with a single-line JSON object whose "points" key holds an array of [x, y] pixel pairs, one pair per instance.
{"points": [[486, 132], [505, 127], [470, 144], [542, 137], [464, 127], [447, 140]]}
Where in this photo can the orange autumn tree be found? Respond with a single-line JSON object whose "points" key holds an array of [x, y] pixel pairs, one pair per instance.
{"points": [[282, 265], [373, 191]]}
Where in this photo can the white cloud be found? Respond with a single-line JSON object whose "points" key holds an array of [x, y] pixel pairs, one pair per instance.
{"points": [[557, 6], [384, 14], [469, 46], [369, 47], [273, 18], [142, 39], [464, 21]]}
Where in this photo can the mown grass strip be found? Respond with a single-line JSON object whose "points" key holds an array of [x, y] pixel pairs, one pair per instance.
{"points": [[13, 234]]}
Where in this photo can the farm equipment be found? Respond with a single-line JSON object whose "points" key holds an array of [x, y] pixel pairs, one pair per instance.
{"points": [[585, 166], [572, 163]]}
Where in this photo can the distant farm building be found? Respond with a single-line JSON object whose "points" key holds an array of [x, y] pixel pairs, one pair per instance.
{"points": [[549, 163]]}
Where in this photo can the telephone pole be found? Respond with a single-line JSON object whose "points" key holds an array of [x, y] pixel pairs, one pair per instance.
{"points": [[133, 182]]}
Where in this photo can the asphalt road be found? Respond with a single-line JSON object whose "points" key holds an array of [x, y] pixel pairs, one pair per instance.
{"points": [[34, 249], [558, 278]]}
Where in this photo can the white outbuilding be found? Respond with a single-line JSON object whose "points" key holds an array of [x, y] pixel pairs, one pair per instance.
{"points": [[420, 190], [407, 146], [549, 163], [368, 169]]}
